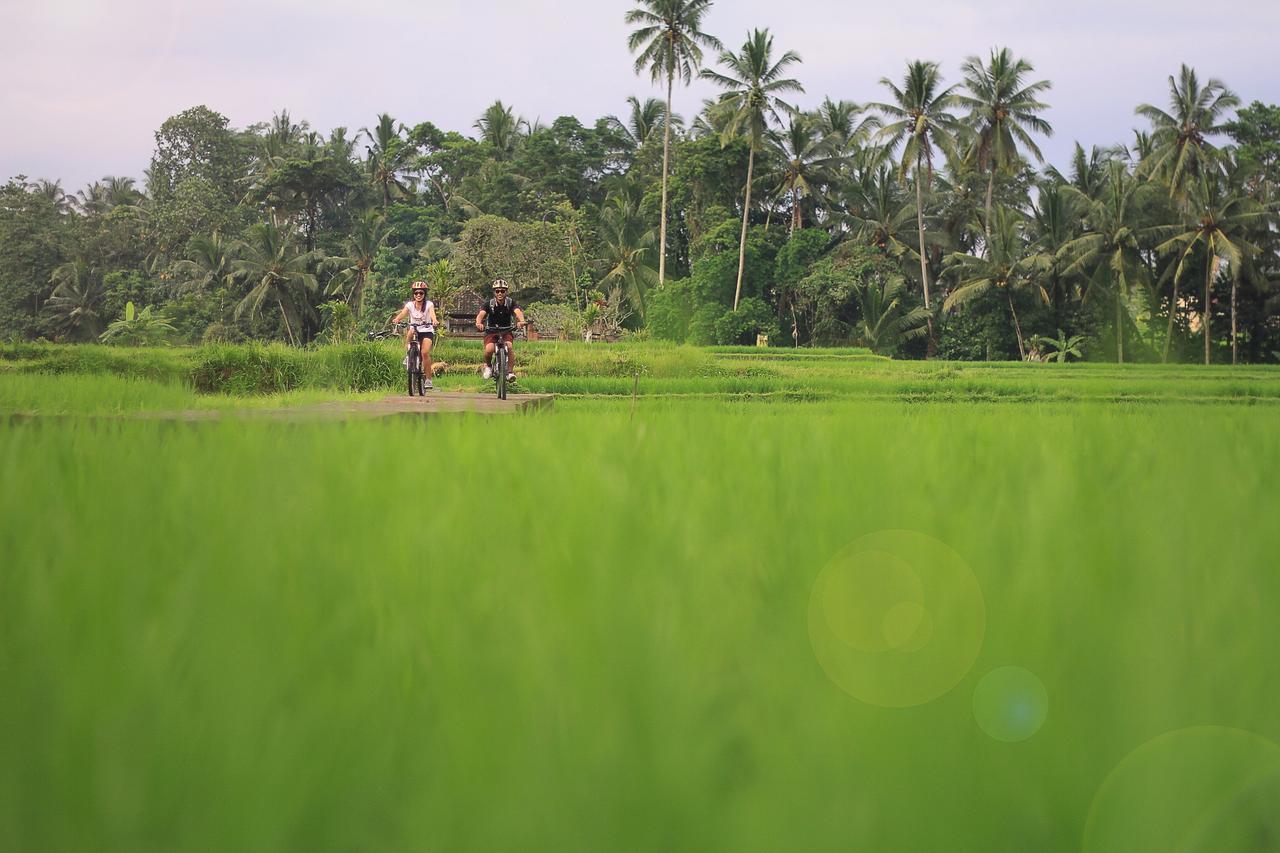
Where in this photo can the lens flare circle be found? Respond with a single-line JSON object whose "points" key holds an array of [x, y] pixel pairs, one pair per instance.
{"points": [[1200, 789], [896, 619], [1010, 704]]}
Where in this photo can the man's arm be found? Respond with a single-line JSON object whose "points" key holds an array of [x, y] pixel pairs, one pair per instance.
{"points": [[519, 317], [480, 319]]}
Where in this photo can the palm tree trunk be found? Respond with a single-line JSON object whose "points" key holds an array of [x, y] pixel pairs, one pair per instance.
{"points": [[1208, 307], [796, 219], [1173, 312], [991, 190], [746, 211], [1017, 327], [1235, 344], [288, 328], [1119, 330], [666, 162], [924, 263]]}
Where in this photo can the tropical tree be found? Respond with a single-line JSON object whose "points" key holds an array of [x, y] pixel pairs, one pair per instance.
{"points": [[388, 157], [53, 192], [1004, 110], [919, 115], [1054, 224], [1011, 264], [277, 273], [1109, 252], [805, 163], [644, 119], [844, 126], [753, 85], [1222, 218], [76, 302], [1180, 147], [877, 213], [1061, 348], [628, 250], [210, 263], [138, 328], [885, 321], [499, 126], [369, 234], [669, 39]]}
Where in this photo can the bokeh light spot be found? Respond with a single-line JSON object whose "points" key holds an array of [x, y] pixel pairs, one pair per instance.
{"points": [[1010, 704]]}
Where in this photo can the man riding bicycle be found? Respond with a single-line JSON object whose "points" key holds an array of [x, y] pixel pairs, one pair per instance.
{"points": [[421, 312], [497, 314]]}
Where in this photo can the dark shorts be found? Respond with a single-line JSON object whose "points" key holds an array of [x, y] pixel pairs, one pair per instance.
{"points": [[507, 337], [424, 336]]}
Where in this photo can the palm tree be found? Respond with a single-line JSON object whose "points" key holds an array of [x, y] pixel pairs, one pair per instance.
{"points": [[628, 248], [644, 119], [805, 161], [1010, 264], [844, 126], [52, 190], [1088, 170], [877, 213], [121, 191], [1054, 224], [752, 87], [1109, 253], [210, 264], [369, 233], [93, 199], [1222, 219], [919, 115], [500, 128], [1004, 110], [388, 157], [670, 41], [277, 272], [77, 299], [885, 322], [1179, 139]]}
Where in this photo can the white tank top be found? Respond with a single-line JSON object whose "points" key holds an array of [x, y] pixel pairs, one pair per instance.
{"points": [[420, 319]]}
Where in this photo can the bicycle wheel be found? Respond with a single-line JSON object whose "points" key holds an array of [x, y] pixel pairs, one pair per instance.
{"points": [[415, 382], [502, 370]]}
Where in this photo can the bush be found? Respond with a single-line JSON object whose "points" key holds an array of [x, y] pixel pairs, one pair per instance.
{"points": [[356, 367], [246, 370], [739, 328]]}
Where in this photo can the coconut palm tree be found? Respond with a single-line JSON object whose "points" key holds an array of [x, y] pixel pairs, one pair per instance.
{"points": [[919, 116], [885, 322], [76, 303], [628, 249], [1221, 219], [1109, 252], [1180, 147], [388, 158], [1004, 110], [876, 212], [1011, 263], [1054, 223], [276, 272], [210, 263], [369, 233], [645, 119], [805, 163], [845, 126], [753, 86], [670, 40], [499, 126], [52, 190]]}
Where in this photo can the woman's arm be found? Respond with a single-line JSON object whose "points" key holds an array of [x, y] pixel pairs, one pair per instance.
{"points": [[431, 315], [400, 316]]}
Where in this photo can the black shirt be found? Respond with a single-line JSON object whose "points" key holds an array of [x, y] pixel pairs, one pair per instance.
{"points": [[496, 315]]}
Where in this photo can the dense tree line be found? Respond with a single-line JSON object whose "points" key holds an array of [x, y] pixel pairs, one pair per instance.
{"points": [[925, 224]]}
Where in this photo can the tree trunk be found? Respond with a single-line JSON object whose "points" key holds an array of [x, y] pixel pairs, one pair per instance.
{"points": [[797, 221], [746, 211], [924, 263], [991, 190], [1017, 328], [666, 163], [1207, 315], [1173, 312], [288, 328], [1235, 343], [1119, 330]]}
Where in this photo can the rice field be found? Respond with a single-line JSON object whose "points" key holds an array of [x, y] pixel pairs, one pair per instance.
{"points": [[773, 603]]}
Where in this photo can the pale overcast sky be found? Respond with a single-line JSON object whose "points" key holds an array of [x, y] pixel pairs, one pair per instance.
{"points": [[87, 82]]}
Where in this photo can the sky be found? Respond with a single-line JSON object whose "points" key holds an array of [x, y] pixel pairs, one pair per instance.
{"points": [[85, 83]]}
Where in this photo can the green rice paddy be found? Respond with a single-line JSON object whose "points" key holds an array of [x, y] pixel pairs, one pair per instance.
{"points": [[775, 603]]}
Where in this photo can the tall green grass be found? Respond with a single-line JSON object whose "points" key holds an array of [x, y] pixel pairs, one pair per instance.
{"points": [[584, 630]]}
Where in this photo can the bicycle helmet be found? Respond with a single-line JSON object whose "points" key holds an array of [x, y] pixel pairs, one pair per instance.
{"points": [[500, 284], [419, 285]]}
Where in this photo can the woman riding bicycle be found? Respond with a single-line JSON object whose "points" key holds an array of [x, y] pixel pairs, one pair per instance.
{"points": [[421, 312]]}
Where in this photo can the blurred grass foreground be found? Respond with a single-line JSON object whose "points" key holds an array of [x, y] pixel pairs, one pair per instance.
{"points": [[839, 619]]}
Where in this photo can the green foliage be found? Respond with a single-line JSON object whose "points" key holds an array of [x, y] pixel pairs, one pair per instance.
{"points": [[741, 327], [532, 256], [244, 370], [139, 328], [338, 323]]}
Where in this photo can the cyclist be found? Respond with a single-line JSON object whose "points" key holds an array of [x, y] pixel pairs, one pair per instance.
{"points": [[496, 313], [421, 312]]}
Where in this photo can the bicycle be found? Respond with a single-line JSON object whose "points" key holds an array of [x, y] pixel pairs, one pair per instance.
{"points": [[501, 357], [414, 368]]}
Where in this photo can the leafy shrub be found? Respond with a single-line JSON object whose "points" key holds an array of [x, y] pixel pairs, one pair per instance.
{"points": [[355, 367], [245, 370], [740, 327]]}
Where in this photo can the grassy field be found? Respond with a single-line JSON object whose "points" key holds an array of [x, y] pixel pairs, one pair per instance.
{"points": [[824, 603]]}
